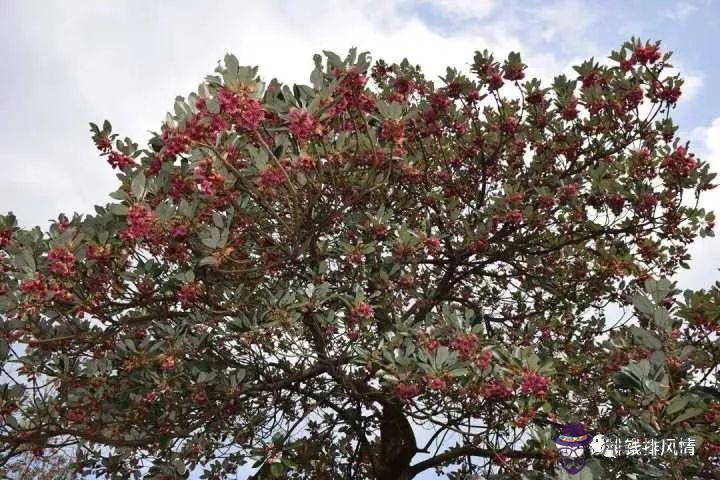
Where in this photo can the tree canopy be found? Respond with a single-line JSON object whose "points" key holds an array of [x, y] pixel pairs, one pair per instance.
{"points": [[374, 276]]}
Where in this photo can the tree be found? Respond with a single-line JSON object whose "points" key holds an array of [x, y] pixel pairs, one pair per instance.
{"points": [[372, 277]]}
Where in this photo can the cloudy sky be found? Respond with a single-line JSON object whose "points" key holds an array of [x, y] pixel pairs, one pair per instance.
{"points": [[66, 63]]}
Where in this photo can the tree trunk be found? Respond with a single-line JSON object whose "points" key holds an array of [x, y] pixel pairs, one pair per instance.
{"points": [[397, 443]]}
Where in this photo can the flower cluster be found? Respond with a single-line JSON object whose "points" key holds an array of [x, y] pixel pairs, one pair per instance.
{"points": [[302, 124], [61, 261], [5, 236], [496, 391], [189, 293], [534, 384], [246, 112], [466, 345], [271, 177], [120, 160], [407, 391], [361, 311], [209, 180]]}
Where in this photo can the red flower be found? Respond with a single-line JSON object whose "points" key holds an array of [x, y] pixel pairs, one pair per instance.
{"points": [[407, 391], [5, 236], [569, 192], [380, 231], [393, 129], [514, 217], [246, 112], [200, 397], [271, 178], [76, 415], [36, 285], [483, 360], [302, 124], [466, 345], [140, 221], [496, 391], [437, 384], [515, 197], [189, 293], [478, 246], [534, 384], [119, 160], [167, 363], [432, 345], [209, 180], [646, 203], [61, 261], [361, 311], [647, 54], [432, 244]]}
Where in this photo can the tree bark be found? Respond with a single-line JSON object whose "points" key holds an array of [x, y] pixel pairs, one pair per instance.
{"points": [[397, 443]]}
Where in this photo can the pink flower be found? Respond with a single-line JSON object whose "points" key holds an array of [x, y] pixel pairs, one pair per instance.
{"points": [[534, 384], [209, 180], [483, 360], [437, 384], [119, 160], [496, 391], [514, 217], [432, 345], [302, 124], [271, 178], [646, 203], [407, 391], [61, 261], [465, 345], [361, 311], [246, 112], [140, 221], [5, 236], [432, 244], [168, 363], [189, 293]]}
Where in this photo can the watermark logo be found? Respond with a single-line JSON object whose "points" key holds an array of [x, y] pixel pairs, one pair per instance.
{"points": [[613, 446], [572, 443], [575, 446]]}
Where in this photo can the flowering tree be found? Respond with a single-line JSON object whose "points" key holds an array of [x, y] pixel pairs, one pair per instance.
{"points": [[372, 277]]}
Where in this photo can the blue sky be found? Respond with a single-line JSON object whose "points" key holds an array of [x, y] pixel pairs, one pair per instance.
{"points": [[66, 63]]}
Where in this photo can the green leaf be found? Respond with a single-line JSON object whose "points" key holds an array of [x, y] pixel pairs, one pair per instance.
{"points": [[213, 106], [688, 414], [662, 319], [646, 338], [137, 187], [643, 304], [118, 209], [677, 404]]}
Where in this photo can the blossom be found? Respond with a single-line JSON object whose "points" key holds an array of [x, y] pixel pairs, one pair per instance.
{"points": [[119, 160], [534, 384], [302, 124], [437, 384], [140, 222], [361, 311], [466, 345], [407, 391], [61, 261]]}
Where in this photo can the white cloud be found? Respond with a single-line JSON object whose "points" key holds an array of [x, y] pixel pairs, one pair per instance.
{"points": [[565, 19], [70, 63], [693, 84], [681, 10], [465, 8], [705, 251]]}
